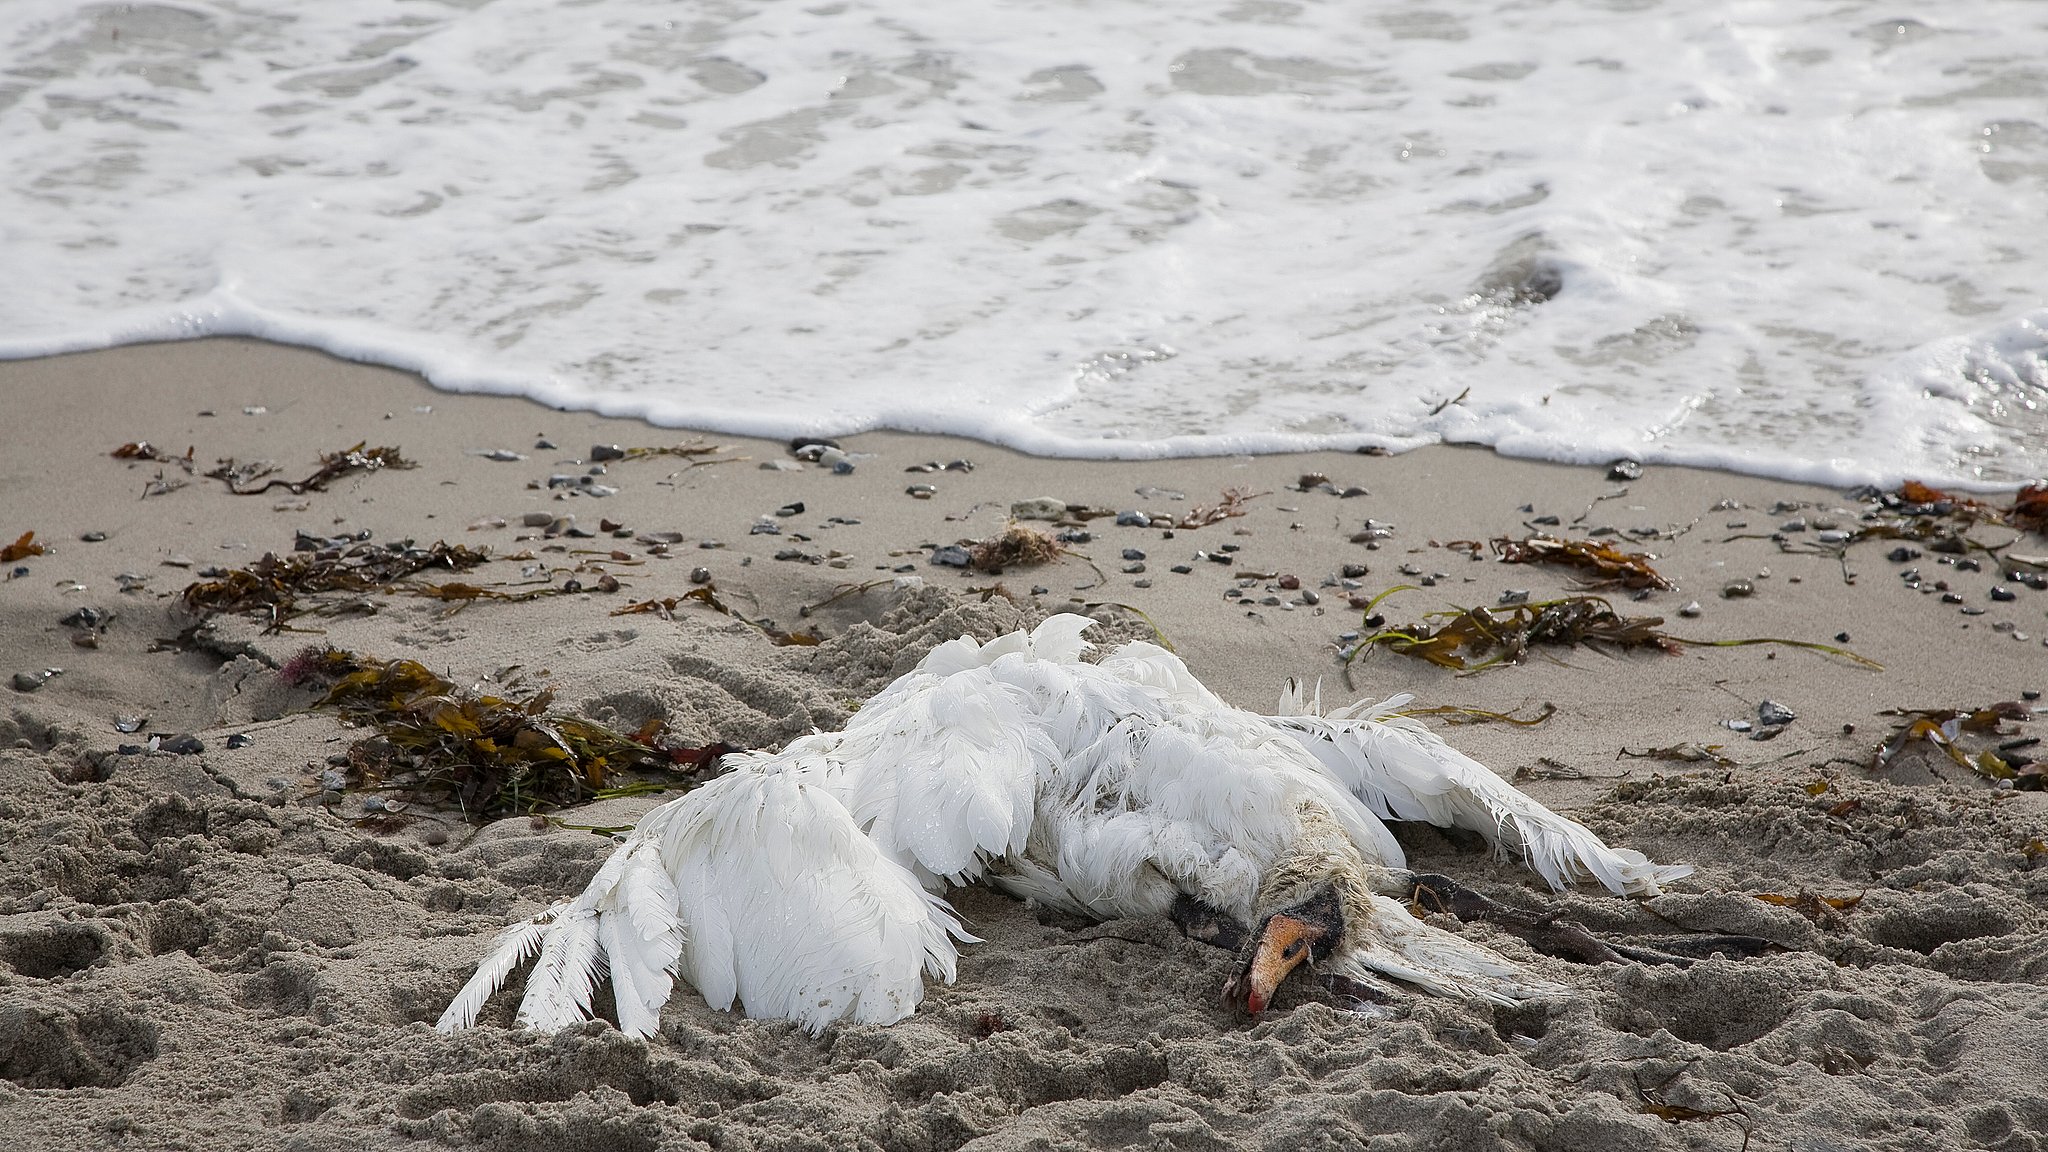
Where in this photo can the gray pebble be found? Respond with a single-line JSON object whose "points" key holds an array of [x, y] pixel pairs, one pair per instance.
{"points": [[700, 575], [1133, 569], [1692, 608], [1180, 569], [1142, 583], [951, 556], [601, 452], [93, 537], [921, 491], [1736, 589], [1311, 596], [1773, 713], [1134, 553], [1133, 520]]}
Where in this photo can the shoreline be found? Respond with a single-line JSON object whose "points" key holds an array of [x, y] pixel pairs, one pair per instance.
{"points": [[169, 920]]}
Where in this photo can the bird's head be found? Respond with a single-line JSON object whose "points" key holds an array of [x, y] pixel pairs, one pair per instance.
{"points": [[1307, 930]]}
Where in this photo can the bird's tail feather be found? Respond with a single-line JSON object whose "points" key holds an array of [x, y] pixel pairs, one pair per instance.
{"points": [[1403, 771], [1445, 964]]}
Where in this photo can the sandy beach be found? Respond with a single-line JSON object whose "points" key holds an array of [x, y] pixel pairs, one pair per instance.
{"points": [[211, 949]]}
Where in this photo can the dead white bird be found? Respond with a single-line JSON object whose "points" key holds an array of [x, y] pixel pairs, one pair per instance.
{"points": [[807, 883]]}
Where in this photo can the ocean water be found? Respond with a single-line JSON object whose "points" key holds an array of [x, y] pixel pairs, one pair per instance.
{"points": [[1804, 239]]}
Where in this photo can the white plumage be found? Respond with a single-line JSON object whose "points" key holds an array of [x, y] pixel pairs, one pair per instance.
{"points": [[805, 883]]}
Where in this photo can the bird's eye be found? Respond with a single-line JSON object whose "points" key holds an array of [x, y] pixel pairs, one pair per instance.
{"points": [[1292, 950]]}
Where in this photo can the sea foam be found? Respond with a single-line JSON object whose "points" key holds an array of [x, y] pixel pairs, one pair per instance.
{"points": [[1796, 239]]}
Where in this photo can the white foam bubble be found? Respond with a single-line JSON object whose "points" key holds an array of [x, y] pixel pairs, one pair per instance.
{"points": [[1793, 239]]}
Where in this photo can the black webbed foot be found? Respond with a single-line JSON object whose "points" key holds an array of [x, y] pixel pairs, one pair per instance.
{"points": [[1561, 938], [1199, 922]]}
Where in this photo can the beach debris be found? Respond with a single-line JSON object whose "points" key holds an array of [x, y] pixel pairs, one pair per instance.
{"points": [[1457, 714], [950, 556], [144, 450], [1015, 546], [1691, 609], [1038, 508], [33, 681], [1231, 503], [949, 466], [1774, 715], [24, 546], [1625, 470], [599, 453], [183, 744], [1983, 728], [128, 725], [1608, 566], [1824, 911], [707, 595], [88, 623], [1475, 639], [501, 455], [441, 746], [273, 585], [921, 491], [1686, 753], [697, 452], [1737, 590], [241, 479]]}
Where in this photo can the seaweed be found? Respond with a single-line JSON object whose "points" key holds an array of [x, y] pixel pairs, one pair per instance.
{"points": [[1609, 566], [241, 478], [707, 595], [440, 746], [1474, 639], [1232, 503], [273, 585], [1015, 546], [24, 546], [1457, 714], [1945, 728], [693, 451], [1687, 753], [2029, 510], [144, 450]]}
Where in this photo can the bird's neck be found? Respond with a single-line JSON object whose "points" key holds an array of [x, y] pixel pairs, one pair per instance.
{"points": [[1322, 855]]}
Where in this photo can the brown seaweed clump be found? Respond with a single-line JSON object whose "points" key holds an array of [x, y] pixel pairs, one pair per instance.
{"points": [[1605, 565], [1472, 639], [1014, 547], [273, 585], [440, 746]]}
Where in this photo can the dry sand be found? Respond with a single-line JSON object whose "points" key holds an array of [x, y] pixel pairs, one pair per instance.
{"points": [[200, 954]]}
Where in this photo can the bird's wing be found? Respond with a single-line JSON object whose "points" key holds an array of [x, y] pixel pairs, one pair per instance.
{"points": [[757, 886], [796, 882], [1403, 771]]}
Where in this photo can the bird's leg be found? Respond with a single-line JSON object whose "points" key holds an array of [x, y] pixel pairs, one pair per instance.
{"points": [[1554, 937], [1198, 921]]}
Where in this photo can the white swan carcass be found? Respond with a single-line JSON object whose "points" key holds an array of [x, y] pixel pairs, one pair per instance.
{"points": [[805, 883]]}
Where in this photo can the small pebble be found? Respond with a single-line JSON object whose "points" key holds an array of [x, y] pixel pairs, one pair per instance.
{"points": [[842, 467], [1973, 610], [793, 508], [1133, 520], [1737, 725], [1134, 569], [130, 724], [700, 575], [182, 745], [29, 681], [240, 740], [603, 452], [1833, 536], [950, 556], [921, 491], [1181, 569], [1143, 583], [543, 445], [2003, 594], [1951, 598], [1289, 582], [1038, 508], [765, 528], [93, 537], [1691, 609], [1075, 536], [1311, 597], [1270, 601], [1625, 470], [1039, 590], [1773, 713], [501, 455], [1792, 526], [1134, 553], [1515, 596], [1737, 588], [1547, 521]]}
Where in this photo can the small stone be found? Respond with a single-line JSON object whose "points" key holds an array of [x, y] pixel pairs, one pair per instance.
{"points": [[1625, 470], [1410, 570], [1969, 564], [1134, 569], [1737, 725], [1547, 521], [1038, 508], [184, 744], [1181, 569], [1075, 536], [501, 455], [1794, 525], [1311, 597], [793, 508], [710, 543], [1736, 589], [842, 467], [1353, 571], [1832, 536], [1040, 590], [921, 491], [543, 445], [1133, 519], [2003, 595], [1515, 596], [810, 447], [29, 681], [595, 470], [240, 740], [603, 452], [1289, 582], [536, 519], [1141, 583], [1951, 598], [1134, 553], [1773, 713], [765, 528], [1973, 610], [950, 556], [1691, 609], [93, 537], [700, 575], [130, 724], [1270, 601]]}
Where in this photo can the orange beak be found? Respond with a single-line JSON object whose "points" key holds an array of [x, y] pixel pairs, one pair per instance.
{"points": [[1282, 947]]}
